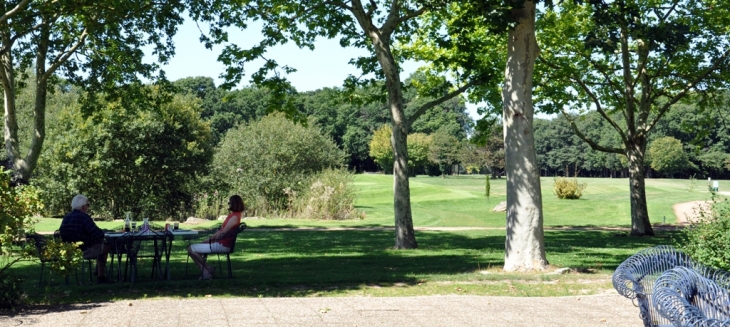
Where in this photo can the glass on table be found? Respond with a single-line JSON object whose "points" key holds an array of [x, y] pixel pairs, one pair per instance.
{"points": [[134, 226], [176, 225]]}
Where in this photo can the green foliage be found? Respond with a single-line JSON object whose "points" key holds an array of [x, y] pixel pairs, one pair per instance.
{"points": [[692, 183], [444, 150], [330, 196], [17, 204], [11, 292], [667, 155], [418, 150], [143, 158], [381, 150], [261, 159], [67, 256], [707, 240], [565, 188], [93, 44]]}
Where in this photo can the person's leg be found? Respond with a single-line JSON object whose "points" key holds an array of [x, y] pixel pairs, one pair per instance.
{"points": [[101, 261], [195, 250]]}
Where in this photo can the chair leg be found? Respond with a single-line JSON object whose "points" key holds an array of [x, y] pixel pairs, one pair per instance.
{"points": [[220, 266], [230, 273], [40, 278]]}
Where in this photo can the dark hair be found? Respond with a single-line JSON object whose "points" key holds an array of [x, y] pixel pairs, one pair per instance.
{"points": [[235, 203]]}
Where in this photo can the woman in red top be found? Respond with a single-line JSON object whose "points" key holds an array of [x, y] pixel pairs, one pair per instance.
{"points": [[219, 242]]}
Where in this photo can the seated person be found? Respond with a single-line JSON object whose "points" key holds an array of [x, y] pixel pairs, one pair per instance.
{"points": [[218, 243], [77, 226]]}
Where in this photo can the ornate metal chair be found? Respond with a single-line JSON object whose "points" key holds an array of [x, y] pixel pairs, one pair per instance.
{"points": [[635, 278], [688, 298]]}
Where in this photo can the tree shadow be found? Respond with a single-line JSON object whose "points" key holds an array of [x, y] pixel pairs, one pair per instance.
{"points": [[296, 263]]}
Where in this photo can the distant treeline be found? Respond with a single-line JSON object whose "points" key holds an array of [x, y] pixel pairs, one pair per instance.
{"points": [[702, 132]]}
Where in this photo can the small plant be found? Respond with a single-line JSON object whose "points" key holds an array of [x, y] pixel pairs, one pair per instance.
{"points": [[568, 189], [692, 184], [488, 187], [707, 240]]}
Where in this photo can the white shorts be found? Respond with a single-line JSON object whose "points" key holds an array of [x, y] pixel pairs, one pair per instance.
{"points": [[209, 248]]}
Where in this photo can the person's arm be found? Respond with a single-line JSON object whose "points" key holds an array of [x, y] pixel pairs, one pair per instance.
{"points": [[93, 231], [228, 226]]}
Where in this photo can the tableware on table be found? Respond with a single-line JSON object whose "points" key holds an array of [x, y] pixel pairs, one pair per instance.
{"points": [[176, 225], [134, 226]]}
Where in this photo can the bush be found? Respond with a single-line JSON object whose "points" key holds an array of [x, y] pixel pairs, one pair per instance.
{"points": [[330, 196], [261, 159], [17, 204], [142, 159], [707, 240], [11, 295], [568, 189]]}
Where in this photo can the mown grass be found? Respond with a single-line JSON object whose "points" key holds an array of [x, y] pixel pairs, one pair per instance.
{"points": [[361, 262], [270, 262], [459, 201]]}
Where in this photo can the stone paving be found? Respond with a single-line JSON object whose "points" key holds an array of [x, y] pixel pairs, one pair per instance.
{"points": [[449, 310]]}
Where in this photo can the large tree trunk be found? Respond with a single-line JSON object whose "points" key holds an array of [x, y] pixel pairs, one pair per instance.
{"points": [[640, 224], [524, 245], [23, 166]]}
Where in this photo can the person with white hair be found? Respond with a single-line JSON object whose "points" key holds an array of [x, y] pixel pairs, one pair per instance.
{"points": [[77, 226]]}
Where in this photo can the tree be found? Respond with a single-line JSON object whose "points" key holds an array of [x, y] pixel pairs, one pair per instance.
{"points": [[525, 244], [418, 145], [667, 155], [380, 148], [444, 150], [376, 26], [636, 59], [95, 44], [141, 159]]}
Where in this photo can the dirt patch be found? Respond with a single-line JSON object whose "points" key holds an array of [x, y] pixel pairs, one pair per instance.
{"points": [[689, 211]]}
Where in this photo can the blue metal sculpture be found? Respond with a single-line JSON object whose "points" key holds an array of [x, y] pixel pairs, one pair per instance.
{"points": [[687, 298], [635, 278]]}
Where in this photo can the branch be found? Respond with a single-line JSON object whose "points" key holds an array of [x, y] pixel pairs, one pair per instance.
{"points": [[13, 11], [686, 89], [394, 19], [593, 97], [594, 145], [65, 56], [443, 99], [614, 87]]}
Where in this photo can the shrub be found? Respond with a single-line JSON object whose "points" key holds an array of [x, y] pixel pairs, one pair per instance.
{"points": [[330, 196], [11, 294], [16, 207], [707, 240], [141, 159], [568, 189], [261, 159], [67, 255]]}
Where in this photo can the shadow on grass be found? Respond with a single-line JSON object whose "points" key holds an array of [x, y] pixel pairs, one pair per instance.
{"points": [[280, 263]]}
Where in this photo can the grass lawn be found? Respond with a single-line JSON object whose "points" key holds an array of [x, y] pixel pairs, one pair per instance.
{"points": [[349, 263], [459, 201], [361, 262]]}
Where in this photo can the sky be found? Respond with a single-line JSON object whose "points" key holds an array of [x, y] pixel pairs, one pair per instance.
{"points": [[326, 66]]}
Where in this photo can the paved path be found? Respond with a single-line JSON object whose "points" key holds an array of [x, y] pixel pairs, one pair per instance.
{"points": [[424, 311]]}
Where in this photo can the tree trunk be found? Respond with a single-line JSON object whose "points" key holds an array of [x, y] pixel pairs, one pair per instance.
{"points": [[405, 238], [23, 166], [640, 224], [524, 245]]}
